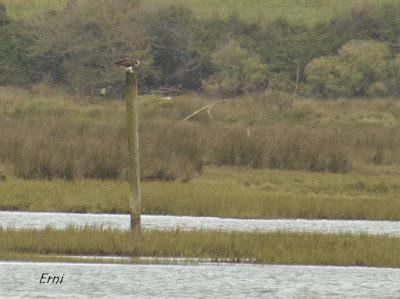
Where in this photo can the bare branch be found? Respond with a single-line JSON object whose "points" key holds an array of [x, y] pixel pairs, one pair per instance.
{"points": [[207, 107]]}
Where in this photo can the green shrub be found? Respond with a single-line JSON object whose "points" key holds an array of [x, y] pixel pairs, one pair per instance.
{"points": [[4, 19], [176, 53], [237, 71], [393, 80], [357, 70], [377, 89], [14, 54], [321, 76]]}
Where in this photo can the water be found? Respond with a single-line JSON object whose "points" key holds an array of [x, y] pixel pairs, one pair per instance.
{"points": [[206, 280], [21, 280], [21, 220]]}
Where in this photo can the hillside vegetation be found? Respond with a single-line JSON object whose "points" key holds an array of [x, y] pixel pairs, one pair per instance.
{"points": [[306, 11], [20, 9], [339, 48], [303, 11]]}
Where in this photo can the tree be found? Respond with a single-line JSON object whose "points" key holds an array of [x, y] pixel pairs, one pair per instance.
{"points": [[355, 71], [14, 56], [171, 31], [393, 80], [76, 47], [237, 71]]}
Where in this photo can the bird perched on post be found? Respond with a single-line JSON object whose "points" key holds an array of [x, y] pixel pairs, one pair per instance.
{"points": [[128, 64]]}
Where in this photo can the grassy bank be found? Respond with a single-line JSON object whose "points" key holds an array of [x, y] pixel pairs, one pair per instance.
{"points": [[19, 9], [309, 12], [268, 248], [223, 192]]}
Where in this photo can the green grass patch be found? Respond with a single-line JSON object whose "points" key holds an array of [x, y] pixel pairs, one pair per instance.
{"points": [[223, 192], [20, 9], [305, 11], [265, 248]]}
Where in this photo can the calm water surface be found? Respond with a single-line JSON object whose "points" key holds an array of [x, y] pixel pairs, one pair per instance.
{"points": [[21, 280], [21, 220]]}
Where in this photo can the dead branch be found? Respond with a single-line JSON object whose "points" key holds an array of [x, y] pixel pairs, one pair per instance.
{"points": [[207, 107]]}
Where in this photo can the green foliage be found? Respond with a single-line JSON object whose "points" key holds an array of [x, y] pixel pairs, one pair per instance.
{"points": [[237, 71], [282, 45], [307, 12], [171, 32], [369, 59], [358, 70], [22, 9], [4, 19], [77, 47], [14, 61], [377, 89], [393, 80]]}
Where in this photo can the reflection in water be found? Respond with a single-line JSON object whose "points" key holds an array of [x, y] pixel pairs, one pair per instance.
{"points": [[21, 280], [61, 220]]}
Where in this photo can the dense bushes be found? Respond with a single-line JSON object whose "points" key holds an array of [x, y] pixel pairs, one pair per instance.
{"points": [[75, 47], [15, 65], [393, 79], [361, 68], [174, 47], [237, 71]]}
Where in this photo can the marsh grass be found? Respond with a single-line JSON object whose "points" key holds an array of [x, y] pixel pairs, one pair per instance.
{"points": [[53, 136], [266, 248], [222, 192], [47, 134]]}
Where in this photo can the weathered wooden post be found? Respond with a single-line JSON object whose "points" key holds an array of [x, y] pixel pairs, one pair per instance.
{"points": [[132, 118], [132, 122]]}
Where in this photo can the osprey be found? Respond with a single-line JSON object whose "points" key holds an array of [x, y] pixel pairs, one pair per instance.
{"points": [[128, 64]]}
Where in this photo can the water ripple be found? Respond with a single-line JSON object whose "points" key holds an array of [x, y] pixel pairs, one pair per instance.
{"points": [[20, 220]]}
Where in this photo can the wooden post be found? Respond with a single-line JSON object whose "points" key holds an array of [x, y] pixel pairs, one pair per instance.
{"points": [[132, 117]]}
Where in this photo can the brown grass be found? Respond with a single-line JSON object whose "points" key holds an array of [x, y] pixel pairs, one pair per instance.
{"points": [[47, 134]]}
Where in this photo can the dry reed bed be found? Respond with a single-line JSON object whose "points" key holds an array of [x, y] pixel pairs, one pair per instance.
{"points": [[55, 136]]}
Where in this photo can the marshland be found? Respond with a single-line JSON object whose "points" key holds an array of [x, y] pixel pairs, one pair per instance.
{"points": [[299, 119]]}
